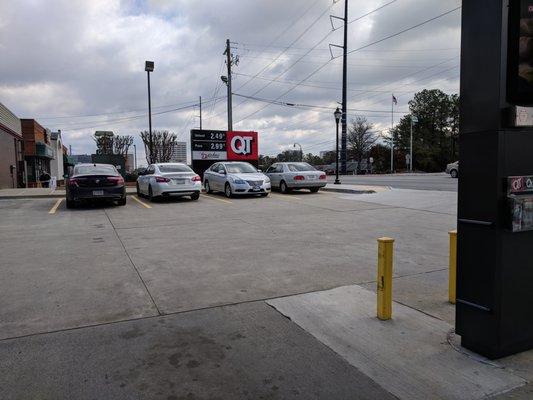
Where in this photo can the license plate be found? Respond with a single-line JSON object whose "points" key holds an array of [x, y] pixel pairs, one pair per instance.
{"points": [[312, 177], [98, 192], [179, 181], [256, 188]]}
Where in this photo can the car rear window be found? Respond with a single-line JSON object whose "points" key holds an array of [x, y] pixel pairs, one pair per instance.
{"points": [[95, 170], [174, 168], [295, 167]]}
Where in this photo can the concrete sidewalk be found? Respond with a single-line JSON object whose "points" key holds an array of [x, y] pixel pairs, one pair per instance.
{"points": [[411, 356]]}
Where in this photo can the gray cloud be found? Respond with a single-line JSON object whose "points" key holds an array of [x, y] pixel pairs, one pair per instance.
{"points": [[72, 58]]}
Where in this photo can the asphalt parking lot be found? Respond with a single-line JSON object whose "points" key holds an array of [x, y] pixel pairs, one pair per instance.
{"points": [[167, 299]]}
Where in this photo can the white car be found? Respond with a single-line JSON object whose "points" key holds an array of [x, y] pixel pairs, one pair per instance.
{"points": [[169, 179], [236, 178]]}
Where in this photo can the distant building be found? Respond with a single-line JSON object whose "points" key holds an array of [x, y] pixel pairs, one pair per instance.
{"points": [[81, 158], [130, 162], [56, 165], [179, 152], [12, 166]]}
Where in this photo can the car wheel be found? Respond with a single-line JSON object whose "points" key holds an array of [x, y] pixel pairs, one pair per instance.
{"points": [[314, 190], [454, 173], [195, 196], [227, 190], [283, 187], [150, 193], [207, 187], [139, 194], [122, 201], [71, 204]]}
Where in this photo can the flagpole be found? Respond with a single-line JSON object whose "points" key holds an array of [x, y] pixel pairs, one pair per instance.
{"points": [[392, 135]]}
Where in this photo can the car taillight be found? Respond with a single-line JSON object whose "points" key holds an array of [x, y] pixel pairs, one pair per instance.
{"points": [[323, 176], [196, 178], [299, 178], [117, 180], [161, 179]]}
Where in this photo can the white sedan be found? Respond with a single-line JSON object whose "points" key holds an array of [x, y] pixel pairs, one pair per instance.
{"points": [[169, 179], [236, 178]]}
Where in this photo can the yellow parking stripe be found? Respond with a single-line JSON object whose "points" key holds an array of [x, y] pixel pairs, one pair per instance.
{"points": [[285, 196], [216, 198], [141, 202], [55, 206]]}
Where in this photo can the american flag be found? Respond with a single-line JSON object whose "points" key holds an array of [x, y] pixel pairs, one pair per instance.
{"points": [[394, 100]]}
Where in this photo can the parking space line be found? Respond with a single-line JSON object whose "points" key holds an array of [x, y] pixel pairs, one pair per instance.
{"points": [[216, 198], [55, 206], [141, 202]]}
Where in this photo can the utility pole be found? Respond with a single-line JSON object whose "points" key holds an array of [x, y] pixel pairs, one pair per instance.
{"points": [[229, 61], [344, 100], [344, 117], [200, 112]]}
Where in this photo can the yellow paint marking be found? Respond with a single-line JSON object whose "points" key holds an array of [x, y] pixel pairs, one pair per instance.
{"points": [[141, 202], [286, 196], [216, 198], [55, 206]]}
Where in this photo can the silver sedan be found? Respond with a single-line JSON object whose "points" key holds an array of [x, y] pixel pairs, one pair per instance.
{"points": [[169, 179], [236, 178], [286, 176]]}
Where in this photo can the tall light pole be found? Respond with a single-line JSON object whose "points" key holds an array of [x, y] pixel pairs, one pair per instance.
{"points": [[227, 81], [414, 120], [338, 115], [134, 156], [149, 67], [301, 151]]}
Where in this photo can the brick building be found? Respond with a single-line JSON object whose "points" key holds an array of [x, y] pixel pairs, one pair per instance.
{"points": [[12, 173], [37, 150]]}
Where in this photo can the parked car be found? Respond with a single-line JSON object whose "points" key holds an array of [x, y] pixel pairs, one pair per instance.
{"points": [[287, 176], [95, 181], [169, 179], [236, 178], [453, 169]]}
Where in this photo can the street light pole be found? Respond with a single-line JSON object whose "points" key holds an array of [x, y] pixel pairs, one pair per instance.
{"points": [[149, 67], [337, 114], [134, 156], [414, 120]]}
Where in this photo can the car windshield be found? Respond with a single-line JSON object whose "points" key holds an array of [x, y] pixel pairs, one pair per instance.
{"points": [[295, 167], [240, 168], [174, 168], [95, 170]]}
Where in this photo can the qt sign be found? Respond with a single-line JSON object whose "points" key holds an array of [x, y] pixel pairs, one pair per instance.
{"points": [[241, 146]]}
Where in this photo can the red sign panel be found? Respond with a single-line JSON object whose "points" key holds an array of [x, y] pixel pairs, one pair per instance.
{"points": [[242, 146], [520, 184]]}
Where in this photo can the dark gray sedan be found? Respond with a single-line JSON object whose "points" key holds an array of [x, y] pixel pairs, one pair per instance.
{"points": [[287, 176], [95, 182]]}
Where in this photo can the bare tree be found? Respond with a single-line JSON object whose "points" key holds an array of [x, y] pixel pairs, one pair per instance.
{"points": [[104, 144], [360, 139], [121, 144], [158, 145]]}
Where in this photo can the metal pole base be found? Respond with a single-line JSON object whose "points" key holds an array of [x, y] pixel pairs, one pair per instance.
{"points": [[337, 182]]}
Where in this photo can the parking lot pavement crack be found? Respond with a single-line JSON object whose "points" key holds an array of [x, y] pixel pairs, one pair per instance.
{"points": [[133, 264]]}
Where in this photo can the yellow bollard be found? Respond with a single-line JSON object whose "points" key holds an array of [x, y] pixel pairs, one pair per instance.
{"points": [[452, 273], [384, 284]]}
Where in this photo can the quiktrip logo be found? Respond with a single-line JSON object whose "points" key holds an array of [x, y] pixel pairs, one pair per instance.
{"points": [[242, 146]]}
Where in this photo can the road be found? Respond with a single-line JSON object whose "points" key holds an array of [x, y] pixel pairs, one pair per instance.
{"points": [[437, 181]]}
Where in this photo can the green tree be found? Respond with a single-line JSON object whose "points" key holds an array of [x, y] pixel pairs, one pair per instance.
{"points": [[435, 135]]}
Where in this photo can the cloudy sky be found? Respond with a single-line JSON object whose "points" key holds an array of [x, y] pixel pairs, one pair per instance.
{"points": [[78, 66]]}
